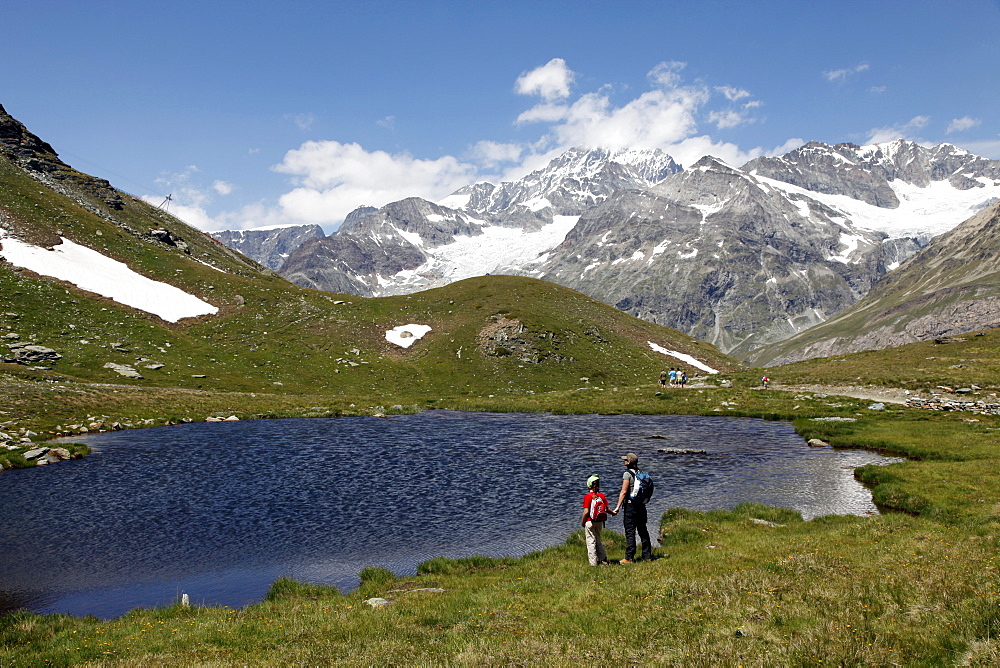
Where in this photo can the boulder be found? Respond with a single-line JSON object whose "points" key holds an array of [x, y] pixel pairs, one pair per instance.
{"points": [[34, 354], [123, 370], [59, 453], [36, 453], [817, 443]]}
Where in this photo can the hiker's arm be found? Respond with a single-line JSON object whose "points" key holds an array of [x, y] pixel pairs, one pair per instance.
{"points": [[583, 518], [621, 496]]}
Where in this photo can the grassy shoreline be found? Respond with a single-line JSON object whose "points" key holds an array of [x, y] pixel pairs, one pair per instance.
{"points": [[751, 585]]}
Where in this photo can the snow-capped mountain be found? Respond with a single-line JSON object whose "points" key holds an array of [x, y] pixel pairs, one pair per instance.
{"points": [[269, 246], [569, 185], [714, 252], [900, 187], [741, 257], [415, 245]]}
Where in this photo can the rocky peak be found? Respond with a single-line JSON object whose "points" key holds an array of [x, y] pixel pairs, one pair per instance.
{"points": [[570, 184], [16, 138], [705, 185], [41, 161], [356, 216], [831, 170]]}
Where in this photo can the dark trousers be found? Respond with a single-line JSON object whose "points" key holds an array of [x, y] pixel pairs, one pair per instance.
{"points": [[635, 520]]}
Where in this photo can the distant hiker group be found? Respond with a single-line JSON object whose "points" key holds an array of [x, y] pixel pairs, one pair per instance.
{"points": [[636, 490], [676, 378]]}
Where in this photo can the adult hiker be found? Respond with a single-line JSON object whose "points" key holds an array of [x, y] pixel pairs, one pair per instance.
{"points": [[635, 511], [595, 513]]}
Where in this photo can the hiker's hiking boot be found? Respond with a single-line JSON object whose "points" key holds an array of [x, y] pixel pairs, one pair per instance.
{"points": [[626, 561]]}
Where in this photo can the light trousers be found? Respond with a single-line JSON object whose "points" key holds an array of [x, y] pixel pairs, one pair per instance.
{"points": [[595, 548]]}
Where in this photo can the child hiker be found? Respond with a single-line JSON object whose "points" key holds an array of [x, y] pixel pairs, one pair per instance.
{"points": [[595, 512]]}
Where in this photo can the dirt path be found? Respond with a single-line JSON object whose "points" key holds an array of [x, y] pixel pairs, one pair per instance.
{"points": [[892, 395]]}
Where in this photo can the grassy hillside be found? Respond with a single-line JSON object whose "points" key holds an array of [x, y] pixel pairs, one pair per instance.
{"points": [[969, 359]]}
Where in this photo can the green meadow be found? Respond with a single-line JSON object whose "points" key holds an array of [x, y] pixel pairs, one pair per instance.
{"points": [[751, 585]]}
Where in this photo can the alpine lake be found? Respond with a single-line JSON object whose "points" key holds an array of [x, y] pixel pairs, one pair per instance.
{"points": [[219, 511]]}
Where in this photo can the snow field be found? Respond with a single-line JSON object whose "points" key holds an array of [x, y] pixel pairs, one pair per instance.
{"points": [[91, 271]]}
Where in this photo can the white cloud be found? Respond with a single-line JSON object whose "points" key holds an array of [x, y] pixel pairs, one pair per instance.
{"points": [[905, 131], [551, 81], [302, 121], [878, 90], [222, 187], [728, 119], [842, 75], [964, 123], [665, 117], [543, 113], [389, 123], [333, 179], [655, 119], [733, 94], [667, 74]]}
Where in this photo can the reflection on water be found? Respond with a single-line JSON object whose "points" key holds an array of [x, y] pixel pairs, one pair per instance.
{"points": [[220, 510]]}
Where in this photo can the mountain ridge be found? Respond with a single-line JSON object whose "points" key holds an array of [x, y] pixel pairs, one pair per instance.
{"points": [[885, 202]]}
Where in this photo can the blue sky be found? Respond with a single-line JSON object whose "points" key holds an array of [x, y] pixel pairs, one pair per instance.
{"points": [[262, 113]]}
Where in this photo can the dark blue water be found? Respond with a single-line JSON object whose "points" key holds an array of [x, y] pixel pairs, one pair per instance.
{"points": [[221, 510]]}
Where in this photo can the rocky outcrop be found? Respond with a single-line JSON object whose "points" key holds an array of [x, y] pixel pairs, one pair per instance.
{"points": [[939, 403], [39, 158], [508, 337], [124, 370], [27, 353]]}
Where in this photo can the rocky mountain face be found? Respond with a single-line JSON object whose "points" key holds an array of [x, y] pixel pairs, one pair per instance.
{"points": [[269, 247], [571, 184], [740, 257], [712, 252], [950, 287]]}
